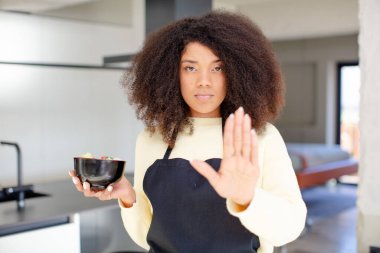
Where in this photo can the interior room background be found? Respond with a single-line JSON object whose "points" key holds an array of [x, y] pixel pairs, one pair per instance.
{"points": [[57, 112]]}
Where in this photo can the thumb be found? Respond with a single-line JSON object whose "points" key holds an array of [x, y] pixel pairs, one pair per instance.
{"points": [[206, 170]]}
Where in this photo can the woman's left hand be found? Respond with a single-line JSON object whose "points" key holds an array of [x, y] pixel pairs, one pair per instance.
{"points": [[238, 173]]}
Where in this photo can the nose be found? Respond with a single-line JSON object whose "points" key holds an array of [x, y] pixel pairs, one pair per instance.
{"points": [[204, 78]]}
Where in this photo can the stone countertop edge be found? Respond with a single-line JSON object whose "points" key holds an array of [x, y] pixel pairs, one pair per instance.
{"points": [[57, 208]]}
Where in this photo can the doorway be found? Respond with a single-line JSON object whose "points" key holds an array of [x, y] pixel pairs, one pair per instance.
{"points": [[348, 107], [348, 117]]}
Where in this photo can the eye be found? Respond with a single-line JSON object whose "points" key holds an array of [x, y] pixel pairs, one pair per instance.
{"points": [[190, 69], [217, 69]]}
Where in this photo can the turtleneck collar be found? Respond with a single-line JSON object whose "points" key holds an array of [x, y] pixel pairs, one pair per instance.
{"points": [[206, 121]]}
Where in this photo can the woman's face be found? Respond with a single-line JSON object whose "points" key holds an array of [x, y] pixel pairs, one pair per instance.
{"points": [[202, 80]]}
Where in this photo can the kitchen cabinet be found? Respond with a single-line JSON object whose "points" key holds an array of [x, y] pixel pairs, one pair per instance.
{"points": [[61, 219], [60, 238]]}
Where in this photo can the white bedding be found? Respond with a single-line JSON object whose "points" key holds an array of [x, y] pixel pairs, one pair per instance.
{"points": [[311, 154]]}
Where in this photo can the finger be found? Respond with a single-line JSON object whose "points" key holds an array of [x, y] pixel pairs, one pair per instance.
{"points": [[238, 130], [247, 136], [129, 196], [207, 171], [110, 188], [100, 195], [254, 148], [228, 137], [72, 173], [109, 192], [103, 195], [130, 199], [87, 190], [77, 183]]}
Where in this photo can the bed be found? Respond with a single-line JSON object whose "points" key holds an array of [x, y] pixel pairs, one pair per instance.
{"points": [[315, 164]]}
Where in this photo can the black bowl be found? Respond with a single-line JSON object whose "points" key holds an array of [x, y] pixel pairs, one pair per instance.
{"points": [[98, 173]]}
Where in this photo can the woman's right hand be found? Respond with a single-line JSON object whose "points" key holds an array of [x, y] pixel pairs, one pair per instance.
{"points": [[122, 190]]}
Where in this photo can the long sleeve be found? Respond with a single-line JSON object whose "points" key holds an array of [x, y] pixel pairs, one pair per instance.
{"points": [[137, 219], [277, 212]]}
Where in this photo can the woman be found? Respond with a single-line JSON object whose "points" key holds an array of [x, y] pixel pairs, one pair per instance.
{"points": [[211, 174]]}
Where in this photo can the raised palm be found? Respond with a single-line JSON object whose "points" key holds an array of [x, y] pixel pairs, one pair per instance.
{"points": [[239, 170]]}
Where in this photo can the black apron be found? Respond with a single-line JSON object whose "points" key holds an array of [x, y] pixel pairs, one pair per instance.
{"points": [[188, 215]]}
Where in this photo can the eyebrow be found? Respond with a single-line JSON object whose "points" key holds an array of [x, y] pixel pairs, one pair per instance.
{"points": [[192, 61]]}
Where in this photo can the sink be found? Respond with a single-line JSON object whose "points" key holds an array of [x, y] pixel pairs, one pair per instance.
{"points": [[10, 195]]}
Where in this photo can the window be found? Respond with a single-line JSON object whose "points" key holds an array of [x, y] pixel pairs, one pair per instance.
{"points": [[348, 107]]}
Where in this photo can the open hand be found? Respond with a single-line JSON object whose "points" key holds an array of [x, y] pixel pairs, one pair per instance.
{"points": [[122, 190], [239, 170]]}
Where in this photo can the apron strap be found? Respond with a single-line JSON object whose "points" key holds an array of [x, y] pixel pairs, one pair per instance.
{"points": [[169, 149], [167, 153]]}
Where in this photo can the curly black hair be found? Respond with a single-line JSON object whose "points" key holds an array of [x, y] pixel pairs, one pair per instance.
{"points": [[254, 79]]}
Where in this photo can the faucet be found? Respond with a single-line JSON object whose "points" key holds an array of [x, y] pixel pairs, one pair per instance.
{"points": [[20, 190]]}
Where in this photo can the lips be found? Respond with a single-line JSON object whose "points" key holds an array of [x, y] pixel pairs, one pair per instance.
{"points": [[204, 97]]}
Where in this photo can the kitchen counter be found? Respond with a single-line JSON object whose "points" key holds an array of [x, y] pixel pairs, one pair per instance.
{"points": [[63, 201]]}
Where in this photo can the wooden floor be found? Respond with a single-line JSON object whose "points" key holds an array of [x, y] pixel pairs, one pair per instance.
{"points": [[333, 234]]}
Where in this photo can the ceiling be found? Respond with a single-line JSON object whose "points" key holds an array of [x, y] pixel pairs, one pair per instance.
{"points": [[297, 19], [101, 11], [279, 19], [39, 5]]}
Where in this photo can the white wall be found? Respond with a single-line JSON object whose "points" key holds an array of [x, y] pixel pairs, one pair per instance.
{"points": [[289, 19], [369, 191], [55, 113], [298, 19], [310, 68], [31, 38]]}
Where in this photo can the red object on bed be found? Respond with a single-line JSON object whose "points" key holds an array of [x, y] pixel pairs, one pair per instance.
{"points": [[320, 174], [315, 164]]}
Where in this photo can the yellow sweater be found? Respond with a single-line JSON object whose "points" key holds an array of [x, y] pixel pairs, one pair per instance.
{"points": [[276, 214]]}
